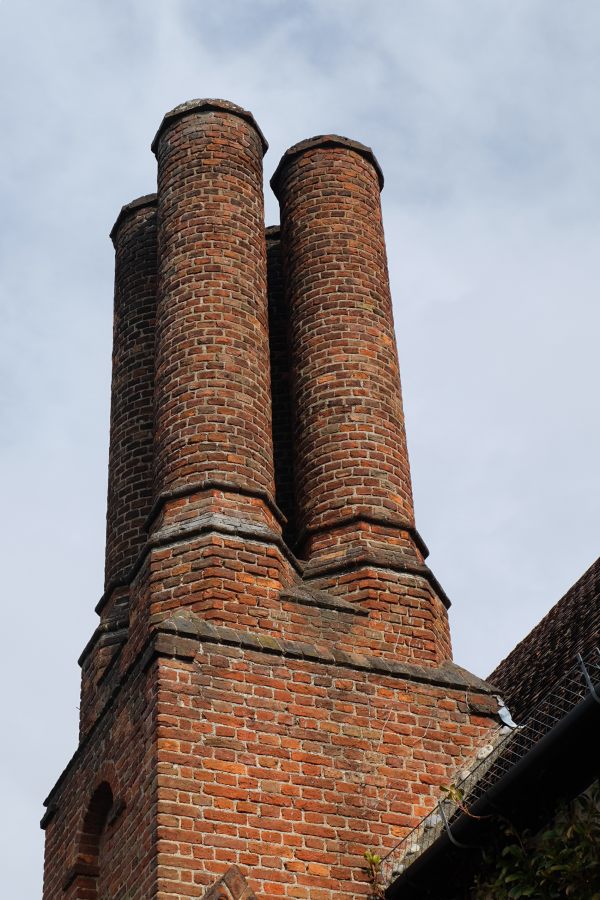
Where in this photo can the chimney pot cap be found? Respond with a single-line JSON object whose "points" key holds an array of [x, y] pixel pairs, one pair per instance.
{"points": [[129, 209], [325, 140], [207, 104]]}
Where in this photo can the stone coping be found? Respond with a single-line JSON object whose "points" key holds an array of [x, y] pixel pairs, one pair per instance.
{"points": [[181, 636], [207, 104], [129, 209], [326, 141]]}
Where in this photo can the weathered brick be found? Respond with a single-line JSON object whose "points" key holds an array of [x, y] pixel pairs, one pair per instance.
{"points": [[251, 722], [132, 405]]}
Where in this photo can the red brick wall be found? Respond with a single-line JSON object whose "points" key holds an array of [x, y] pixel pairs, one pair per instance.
{"points": [[291, 769], [121, 753], [284, 758]]}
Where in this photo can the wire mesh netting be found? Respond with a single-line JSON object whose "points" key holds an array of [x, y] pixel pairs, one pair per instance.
{"points": [[506, 746]]}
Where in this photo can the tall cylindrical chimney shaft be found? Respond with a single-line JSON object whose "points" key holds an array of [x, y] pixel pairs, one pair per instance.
{"points": [[131, 417], [212, 351], [351, 459]]}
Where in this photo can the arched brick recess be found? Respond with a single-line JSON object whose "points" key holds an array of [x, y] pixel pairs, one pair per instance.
{"points": [[92, 832], [82, 880]]}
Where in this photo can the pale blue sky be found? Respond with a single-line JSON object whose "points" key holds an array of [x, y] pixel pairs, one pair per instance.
{"points": [[484, 116]]}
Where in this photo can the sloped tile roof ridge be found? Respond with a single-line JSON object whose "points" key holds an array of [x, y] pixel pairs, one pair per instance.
{"points": [[572, 626]]}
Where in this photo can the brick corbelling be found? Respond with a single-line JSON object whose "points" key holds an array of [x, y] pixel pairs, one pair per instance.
{"points": [[306, 596], [212, 358], [211, 484], [362, 576], [214, 523], [308, 571], [132, 395], [113, 630], [192, 490], [373, 559], [48, 815], [78, 870], [187, 631], [119, 584], [392, 618], [182, 635]]}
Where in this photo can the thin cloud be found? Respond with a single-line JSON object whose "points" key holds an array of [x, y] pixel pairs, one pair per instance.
{"points": [[483, 115]]}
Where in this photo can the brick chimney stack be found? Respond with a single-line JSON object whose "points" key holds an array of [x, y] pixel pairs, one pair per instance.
{"points": [[351, 458], [269, 691], [213, 439], [355, 512], [213, 420], [131, 448], [132, 406]]}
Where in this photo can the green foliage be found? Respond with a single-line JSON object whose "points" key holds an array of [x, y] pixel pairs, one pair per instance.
{"points": [[561, 861], [457, 796], [373, 861]]}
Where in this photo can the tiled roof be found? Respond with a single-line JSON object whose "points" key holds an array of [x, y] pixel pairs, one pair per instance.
{"points": [[572, 626]]}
